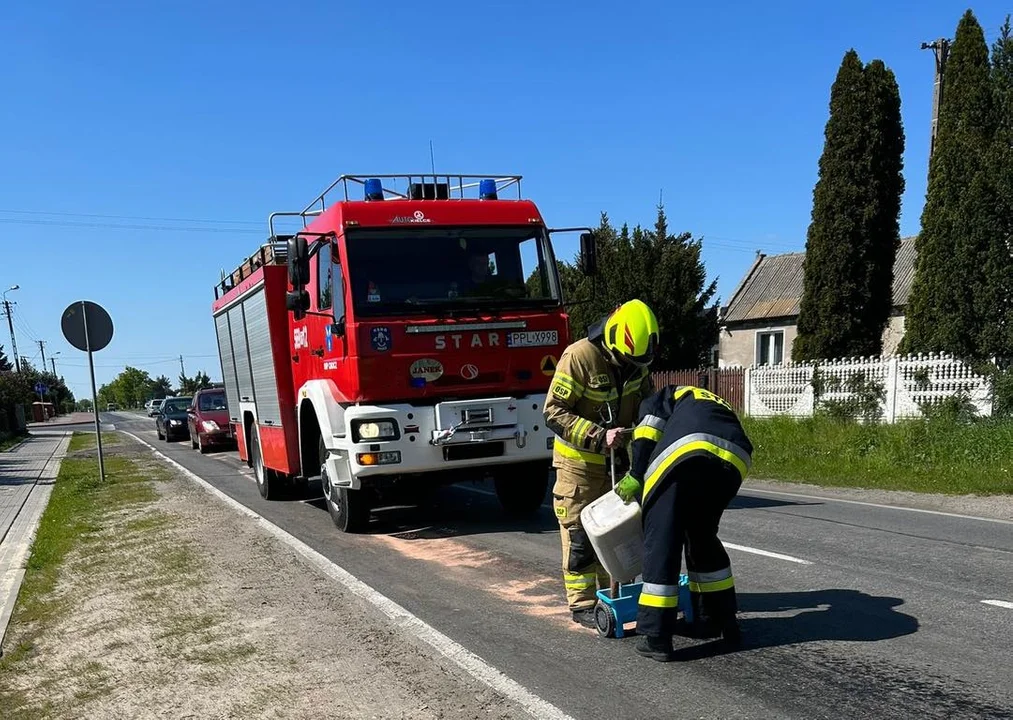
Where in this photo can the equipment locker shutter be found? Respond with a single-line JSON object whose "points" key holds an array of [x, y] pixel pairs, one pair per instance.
{"points": [[228, 365], [237, 328], [265, 385]]}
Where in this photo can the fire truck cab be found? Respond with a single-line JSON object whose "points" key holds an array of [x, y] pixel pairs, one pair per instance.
{"points": [[405, 336]]}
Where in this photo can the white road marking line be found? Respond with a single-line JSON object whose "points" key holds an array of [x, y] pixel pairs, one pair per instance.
{"points": [[766, 553], [742, 548], [826, 498], [464, 658], [999, 603]]}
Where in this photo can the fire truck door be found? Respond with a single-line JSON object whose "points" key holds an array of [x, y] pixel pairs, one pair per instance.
{"points": [[327, 343]]}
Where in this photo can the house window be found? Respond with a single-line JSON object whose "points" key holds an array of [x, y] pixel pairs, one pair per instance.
{"points": [[770, 347]]}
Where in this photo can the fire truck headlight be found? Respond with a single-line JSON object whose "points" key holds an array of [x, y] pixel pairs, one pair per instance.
{"points": [[364, 430]]}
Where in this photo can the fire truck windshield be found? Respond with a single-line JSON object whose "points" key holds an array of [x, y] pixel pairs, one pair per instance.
{"points": [[406, 270]]}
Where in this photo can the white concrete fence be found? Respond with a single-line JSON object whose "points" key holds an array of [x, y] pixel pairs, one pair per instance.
{"points": [[906, 384]]}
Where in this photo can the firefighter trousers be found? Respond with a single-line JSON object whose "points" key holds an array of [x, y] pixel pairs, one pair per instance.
{"points": [[583, 575], [683, 512]]}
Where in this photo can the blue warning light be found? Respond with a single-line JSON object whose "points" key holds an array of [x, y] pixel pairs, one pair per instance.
{"points": [[374, 189], [487, 190], [418, 382]]}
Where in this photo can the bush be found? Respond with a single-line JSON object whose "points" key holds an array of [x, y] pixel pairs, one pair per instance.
{"points": [[864, 400]]}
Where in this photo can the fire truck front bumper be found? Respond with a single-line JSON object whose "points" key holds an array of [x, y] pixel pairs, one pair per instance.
{"points": [[404, 439]]}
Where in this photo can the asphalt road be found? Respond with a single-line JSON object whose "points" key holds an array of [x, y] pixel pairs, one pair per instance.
{"points": [[858, 611]]}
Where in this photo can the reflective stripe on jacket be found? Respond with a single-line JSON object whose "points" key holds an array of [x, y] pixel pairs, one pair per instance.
{"points": [[679, 422], [585, 381]]}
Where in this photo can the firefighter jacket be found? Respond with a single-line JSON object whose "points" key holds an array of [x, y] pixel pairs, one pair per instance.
{"points": [[586, 383], [680, 422]]}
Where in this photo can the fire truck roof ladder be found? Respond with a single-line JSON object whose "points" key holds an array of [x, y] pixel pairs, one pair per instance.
{"points": [[273, 252], [417, 186]]}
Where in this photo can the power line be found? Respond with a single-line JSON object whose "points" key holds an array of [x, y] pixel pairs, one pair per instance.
{"points": [[115, 226], [131, 217]]}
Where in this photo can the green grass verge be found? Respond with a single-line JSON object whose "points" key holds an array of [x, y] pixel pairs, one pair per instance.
{"points": [[78, 501], [9, 441], [75, 511], [937, 455], [111, 540], [86, 441]]}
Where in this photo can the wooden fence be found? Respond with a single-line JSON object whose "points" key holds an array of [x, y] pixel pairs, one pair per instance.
{"points": [[729, 383]]}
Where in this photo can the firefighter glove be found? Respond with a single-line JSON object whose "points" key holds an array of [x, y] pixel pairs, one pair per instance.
{"points": [[628, 489]]}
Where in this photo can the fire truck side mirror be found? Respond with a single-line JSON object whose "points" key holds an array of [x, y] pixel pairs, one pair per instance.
{"points": [[297, 302], [298, 262], [588, 254]]}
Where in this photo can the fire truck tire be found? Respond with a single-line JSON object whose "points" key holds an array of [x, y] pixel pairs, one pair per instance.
{"points": [[349, 509], [521, 488], [268, 483]]}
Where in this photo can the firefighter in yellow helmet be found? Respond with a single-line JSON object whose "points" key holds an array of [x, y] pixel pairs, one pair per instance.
{"points": [[602, 376]]}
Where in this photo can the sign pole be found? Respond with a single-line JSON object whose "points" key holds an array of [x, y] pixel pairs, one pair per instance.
{"points": [[94, 394]]}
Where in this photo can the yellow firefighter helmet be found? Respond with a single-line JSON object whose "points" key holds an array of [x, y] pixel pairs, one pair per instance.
{"points": [[631, 332]]}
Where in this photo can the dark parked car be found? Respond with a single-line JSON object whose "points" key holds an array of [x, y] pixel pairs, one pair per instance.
{"points": [[208, 420], [170, 423]]}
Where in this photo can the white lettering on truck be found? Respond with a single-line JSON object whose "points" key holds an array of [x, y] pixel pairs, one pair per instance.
{"points": [[492, 340]]}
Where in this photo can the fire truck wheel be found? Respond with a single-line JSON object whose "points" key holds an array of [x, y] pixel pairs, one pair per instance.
{"points": [[349, 509], [521, 489], [268, 482]]}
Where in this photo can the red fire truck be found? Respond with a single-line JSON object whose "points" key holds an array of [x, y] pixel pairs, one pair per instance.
{"points": [[406, 336]]}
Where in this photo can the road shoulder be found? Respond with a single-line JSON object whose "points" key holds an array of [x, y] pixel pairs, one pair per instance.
{"points": [[997, 507], [173, 604]]}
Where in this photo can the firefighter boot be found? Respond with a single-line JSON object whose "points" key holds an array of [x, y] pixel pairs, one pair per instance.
{"points": [[584, 617], [656, 647], [703, 626], [723, 607]]}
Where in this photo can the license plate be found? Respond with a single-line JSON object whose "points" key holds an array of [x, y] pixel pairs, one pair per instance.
{"points": [[533, 338]]}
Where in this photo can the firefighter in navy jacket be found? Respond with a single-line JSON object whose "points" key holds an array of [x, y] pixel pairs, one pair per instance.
{"points": [[689, 458]]}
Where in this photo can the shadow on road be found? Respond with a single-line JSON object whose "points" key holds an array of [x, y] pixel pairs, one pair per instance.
{"points": [[446, 512], [748, 502], [817, 615]]}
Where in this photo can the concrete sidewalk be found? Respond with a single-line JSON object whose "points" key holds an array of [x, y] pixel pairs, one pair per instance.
{"points": [[27, 474], [75, 418]]}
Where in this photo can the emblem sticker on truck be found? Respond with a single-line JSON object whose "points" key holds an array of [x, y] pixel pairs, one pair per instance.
{"points": [[533, 338], [426, 369], [415, 218], [379, 338]]}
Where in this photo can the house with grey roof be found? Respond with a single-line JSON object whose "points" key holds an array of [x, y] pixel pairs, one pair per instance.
{"points": [[758, 326]]}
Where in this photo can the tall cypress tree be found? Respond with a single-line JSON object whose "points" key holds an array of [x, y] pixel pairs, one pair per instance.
{"points": [[1001, 169], [853, 236], [885, 157], [954, 293]]}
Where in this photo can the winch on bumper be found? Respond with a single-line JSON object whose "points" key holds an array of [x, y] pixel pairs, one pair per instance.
{"points": [[403, 439]]}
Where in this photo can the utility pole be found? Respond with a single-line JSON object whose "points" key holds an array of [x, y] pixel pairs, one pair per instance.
{"points": [[52, 361], [42, 349], [181, 370], [10, 324], [941, 50]]}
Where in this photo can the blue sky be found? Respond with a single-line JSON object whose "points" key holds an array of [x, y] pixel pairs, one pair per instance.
{"points": [[219, 113]]}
